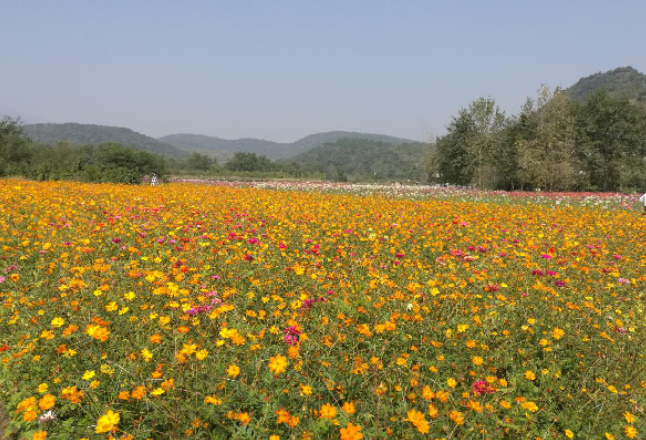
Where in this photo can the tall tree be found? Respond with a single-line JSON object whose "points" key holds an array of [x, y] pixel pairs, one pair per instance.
{"points": [[548, 160], [612, 140], [466, 154]]}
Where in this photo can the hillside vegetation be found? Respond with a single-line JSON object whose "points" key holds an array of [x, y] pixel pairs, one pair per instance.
{"points": [[90, 134], [365, 158], [223, 149], [621, 82]]}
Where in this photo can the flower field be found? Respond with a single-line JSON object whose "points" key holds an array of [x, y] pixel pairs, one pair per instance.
{"points": [[223, 311]]}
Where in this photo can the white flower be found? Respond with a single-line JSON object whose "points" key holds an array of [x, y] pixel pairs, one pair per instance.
{"points": [[47, 416]]}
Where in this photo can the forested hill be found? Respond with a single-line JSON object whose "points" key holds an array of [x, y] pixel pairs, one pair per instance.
{"points": [[223, 149], [366, 158], [621, 82], [84, 134]]}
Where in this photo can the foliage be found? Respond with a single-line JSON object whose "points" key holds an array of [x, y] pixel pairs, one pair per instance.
{"points": [[553, 144], [89, 134], [205, 312], [14, 148], [365, 159], [623, 82], [612, 141], [91, 163], [547, 160], [223, 149]]}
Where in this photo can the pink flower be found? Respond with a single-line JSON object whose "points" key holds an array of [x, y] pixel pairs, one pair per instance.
{"points": [[481, 387], [291, 335], [623, 281], [2, 279], [546, 256]]}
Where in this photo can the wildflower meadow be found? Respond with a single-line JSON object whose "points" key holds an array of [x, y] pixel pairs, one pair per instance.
{"points": [[229, 311]]}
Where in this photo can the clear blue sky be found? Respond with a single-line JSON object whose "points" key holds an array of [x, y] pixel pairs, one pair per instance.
{"points": [[280, 70]]}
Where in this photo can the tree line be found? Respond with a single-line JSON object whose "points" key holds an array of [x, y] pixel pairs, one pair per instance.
{"points": [[553, 144], [113, 162]]}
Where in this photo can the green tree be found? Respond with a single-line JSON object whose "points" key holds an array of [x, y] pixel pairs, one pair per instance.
{"points": [[200, 162], [548, 160], [466, 154], [612, 141], [15, 148], [249, 162]]}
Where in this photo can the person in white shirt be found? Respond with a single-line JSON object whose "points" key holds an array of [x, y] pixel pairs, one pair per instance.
{"points": [[643, 200]]}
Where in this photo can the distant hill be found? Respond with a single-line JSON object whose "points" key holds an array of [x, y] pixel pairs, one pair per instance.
{"points": [[624, 81], [223, 149], [366, 157], [82, 134]]}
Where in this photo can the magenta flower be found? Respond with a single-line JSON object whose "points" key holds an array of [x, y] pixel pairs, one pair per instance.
{"points": [[292, 335], [481, 387]]}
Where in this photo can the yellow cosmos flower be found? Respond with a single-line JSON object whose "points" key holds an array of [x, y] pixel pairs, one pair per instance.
{"points": [[233, 370], [107, 422], [277, 364]]}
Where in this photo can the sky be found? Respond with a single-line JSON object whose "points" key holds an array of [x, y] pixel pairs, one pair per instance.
{"points": [[280, 70]]}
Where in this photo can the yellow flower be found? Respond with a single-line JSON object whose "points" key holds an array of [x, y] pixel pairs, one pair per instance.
{"points": [[58, 322], [630, 431], [558, 333], [477, 360], [88, 375], [569, 434], [629, 417], [277, 364], [146, 354], [233, 370], [107, 422], [157, 392], [212, 400], [42, 388], [529, 375], [200, 355], [451, 382]]}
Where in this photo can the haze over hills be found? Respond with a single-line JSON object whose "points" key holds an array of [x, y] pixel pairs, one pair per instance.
{"points": [[623, 81], [82, 134], [371, 155], [366, 157], [222, 149]]}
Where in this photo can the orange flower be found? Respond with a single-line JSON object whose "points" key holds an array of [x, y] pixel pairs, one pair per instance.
{"points": [[351, 432], [277, 364], [328, 411], [46, 402]]}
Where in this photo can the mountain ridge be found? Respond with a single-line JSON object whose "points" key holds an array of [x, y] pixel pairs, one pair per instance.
{"points": [[620, 82], [93, 134], [222, 149]]}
